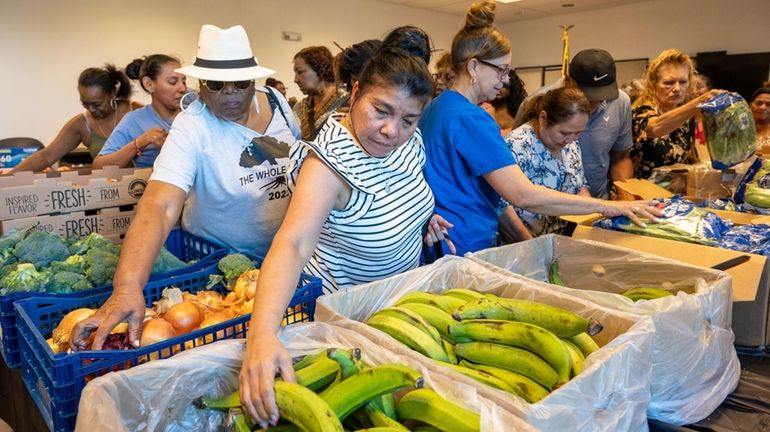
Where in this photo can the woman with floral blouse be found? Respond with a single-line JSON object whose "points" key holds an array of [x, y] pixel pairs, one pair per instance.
{"points": [[661, 114]]}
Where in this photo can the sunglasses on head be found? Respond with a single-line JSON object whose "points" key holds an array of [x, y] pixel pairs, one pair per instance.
{"points": [[216, 86]]}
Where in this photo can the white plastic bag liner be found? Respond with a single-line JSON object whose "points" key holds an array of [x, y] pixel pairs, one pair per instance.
{"points": [[694, 363], [157, 396], [611, 394]]}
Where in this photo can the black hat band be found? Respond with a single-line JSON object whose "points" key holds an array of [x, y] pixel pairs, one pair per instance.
{"points": [[225, 64]]}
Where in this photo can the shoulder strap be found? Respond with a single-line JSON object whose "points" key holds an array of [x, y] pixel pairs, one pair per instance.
{"points": [[273, 99]]}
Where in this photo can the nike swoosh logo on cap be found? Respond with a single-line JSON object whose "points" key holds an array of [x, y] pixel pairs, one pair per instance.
{"points": [[597, 78]]}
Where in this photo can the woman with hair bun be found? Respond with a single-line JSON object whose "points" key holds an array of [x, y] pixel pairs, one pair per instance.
{"points": [[139, 136], [104, 93], [469, 167], [358, 206]]}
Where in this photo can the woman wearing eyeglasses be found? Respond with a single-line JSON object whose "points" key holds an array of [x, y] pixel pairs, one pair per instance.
{"points": [[222, 168], [661, 114], [469, 167], [140, 134], [104, 93]]}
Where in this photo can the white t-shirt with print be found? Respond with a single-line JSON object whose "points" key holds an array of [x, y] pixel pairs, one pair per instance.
{"points": [[234, 177]]}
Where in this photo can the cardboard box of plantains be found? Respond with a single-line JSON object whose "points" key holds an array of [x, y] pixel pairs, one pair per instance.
{"points": [[27, 194], [751, 279]]}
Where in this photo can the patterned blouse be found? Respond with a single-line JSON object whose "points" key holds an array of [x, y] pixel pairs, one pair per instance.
{"points": [[650, 153], [542, 168]]}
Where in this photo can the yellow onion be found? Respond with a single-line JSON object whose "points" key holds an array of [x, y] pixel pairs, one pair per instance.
{"points": [[246, 285], [185, 317], [246, 307], [156, 330], [215, 318], [61, 334]]}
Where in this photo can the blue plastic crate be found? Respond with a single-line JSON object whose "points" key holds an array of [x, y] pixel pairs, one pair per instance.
{"points": [[55, 381], [183, 245]]}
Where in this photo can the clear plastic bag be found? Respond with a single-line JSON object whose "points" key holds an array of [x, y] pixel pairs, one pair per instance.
{"points": [[612, 392], [694, 363], [158, 396], [730, 130]]}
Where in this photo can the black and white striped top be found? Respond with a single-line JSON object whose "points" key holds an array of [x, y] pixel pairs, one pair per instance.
{"points": [[378, 234]]}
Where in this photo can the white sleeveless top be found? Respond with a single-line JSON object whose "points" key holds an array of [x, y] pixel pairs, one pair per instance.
{"points": [[379, 233]]}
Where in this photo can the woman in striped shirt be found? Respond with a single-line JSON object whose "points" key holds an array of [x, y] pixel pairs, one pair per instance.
{"points": [[358, 207]]}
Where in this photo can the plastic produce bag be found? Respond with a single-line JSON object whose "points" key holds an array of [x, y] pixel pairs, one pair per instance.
{"points": [[694, 363], [730, 130], [754, 188], [610, 394], [682, 220], [157, 396]]}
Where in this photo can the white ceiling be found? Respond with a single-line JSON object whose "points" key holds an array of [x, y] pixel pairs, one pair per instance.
{"points": [[517, 11]]}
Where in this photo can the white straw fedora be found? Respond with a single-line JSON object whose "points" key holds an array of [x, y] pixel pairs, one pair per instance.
{"points": [[224, 55]]}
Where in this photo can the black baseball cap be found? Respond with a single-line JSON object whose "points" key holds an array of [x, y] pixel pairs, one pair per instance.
{"points": [[593, 70]]}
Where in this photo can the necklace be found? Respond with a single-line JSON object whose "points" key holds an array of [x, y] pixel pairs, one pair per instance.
{"points": [[114, 123]]}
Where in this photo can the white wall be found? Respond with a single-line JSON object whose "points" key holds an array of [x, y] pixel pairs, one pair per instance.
{"points": [[44, 44], [643, 30]]}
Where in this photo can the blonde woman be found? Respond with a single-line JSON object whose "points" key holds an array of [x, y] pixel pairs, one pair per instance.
{"points": [[662, 112]]}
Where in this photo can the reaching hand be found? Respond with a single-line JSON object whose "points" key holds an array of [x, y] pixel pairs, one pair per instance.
{"points": [[633, 210], [262, 360], [437, 232], [120, 307]]}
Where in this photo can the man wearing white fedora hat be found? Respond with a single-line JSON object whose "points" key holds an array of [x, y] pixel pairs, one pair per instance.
{"points": [[222, 168]]}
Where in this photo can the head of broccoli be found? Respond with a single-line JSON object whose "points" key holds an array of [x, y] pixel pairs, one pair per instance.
{"points": [[41, 248], [232, 265], [166, 262], [81, 245], [100, 266], [66, 282], [25, 278], [73, 263]]}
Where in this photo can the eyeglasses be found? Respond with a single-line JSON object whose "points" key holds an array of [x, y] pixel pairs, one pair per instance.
{"points": [[217, 86], [504, 70]]}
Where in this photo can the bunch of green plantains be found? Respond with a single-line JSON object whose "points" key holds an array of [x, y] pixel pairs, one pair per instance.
{"points": [[336, 391], [523, 347]]}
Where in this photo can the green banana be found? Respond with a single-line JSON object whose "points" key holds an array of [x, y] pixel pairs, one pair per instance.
{"points": [[518, 334], [646, 293], [585, 343], [318, 374], [425, 428], [380, 419], [514, 359], [412, 318], [354, 392], [450, 351], [463, 294], [232, 400], [446, 303], [304, 408], [576, 357], [561, 322], [436, 316], [427, 406], [553, 274], [410, 336], [383, 429], [527, 388], [308, 359], [482, 377], [287, 427], [346, 359], [387, 404], [241, 423]]}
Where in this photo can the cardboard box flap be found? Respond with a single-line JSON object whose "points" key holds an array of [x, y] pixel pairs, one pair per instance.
{"points": [[746, 276], [642, 189]]}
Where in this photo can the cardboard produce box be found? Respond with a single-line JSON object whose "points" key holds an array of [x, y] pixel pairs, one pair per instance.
{"points": [[694, 363], [26, 194], [610, 394], [751, 279], [109, 222], [119, 401]]}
